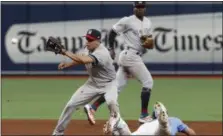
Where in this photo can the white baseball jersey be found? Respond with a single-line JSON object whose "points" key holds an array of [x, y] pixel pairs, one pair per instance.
{"points": [[102, 72], [132, 29], [148, 128]]}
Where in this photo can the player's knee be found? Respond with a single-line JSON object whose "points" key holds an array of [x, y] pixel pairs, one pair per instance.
{"points": [[71, 104], [121, 85], [113, 107], [120, 88], [148, 84], [111, 102], [145, 89]]}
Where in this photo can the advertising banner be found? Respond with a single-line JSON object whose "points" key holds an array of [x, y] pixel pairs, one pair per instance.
{"points": [[184, 44]]}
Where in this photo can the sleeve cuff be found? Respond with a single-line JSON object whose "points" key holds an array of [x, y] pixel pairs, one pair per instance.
{"points": [[115, 31], [94, 58]]}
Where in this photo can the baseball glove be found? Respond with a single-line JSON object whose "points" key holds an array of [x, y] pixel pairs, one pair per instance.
{"points": [[147, 41], [54, 45]]}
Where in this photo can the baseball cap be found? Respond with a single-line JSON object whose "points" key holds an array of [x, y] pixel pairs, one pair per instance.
{"points": [[137, 4], [93, 34]]}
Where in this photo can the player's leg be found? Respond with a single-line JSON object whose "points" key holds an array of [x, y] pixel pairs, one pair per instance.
{"points": [[82, 96], [121, 77], [121, 82], [91, 109], [120, 129], [161, 113], [140, 71], [111, 98]]}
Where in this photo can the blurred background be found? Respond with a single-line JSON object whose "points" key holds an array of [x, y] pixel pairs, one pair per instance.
{"points": [[188, 41], [188, 36]]}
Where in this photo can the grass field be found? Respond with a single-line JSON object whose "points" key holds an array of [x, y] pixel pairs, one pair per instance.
{"points": [[189, 99]]}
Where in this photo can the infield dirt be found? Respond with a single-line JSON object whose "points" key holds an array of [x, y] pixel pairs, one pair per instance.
{"points": [[81, 127]]}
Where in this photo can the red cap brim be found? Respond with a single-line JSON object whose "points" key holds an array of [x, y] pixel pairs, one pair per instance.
{"points": [[90, 37]]}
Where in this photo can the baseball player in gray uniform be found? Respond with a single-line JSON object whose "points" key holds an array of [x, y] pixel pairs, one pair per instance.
{"points": [[137, 32], [101, 81]]}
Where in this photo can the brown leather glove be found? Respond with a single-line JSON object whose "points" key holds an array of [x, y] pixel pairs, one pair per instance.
{"points": [[147, 41], [54, 45]]}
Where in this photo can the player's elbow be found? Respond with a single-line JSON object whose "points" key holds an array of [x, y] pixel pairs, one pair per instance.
{"points": [[86, 60], [76, 60]]}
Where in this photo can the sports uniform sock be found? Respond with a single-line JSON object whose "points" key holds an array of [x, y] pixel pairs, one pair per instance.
{"points": [[98, 102], [145, 96]]}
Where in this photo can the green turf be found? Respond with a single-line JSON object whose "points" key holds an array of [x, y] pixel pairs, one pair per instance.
{"points": [[189, 99]]}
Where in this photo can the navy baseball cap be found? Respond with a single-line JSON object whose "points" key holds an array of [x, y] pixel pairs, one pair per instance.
{"points": [[139, 4], [93, 34]]}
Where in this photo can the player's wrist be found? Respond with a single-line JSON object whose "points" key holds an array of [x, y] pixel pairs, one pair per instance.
{"points": [[63, 52]]}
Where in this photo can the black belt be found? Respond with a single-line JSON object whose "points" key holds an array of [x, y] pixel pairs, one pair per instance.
{"points": [[137, 53]]}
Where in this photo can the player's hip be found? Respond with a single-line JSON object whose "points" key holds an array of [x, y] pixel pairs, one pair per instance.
{"points": [[127, 58], [101, 83]]}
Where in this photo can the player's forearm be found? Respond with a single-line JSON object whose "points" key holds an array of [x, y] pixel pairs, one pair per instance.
{"points": [[78, 59], [190, 132], [111, 39], [69, 64]]}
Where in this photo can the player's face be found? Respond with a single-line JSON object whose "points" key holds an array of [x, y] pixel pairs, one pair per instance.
{"points": [[140, 11], [91, 44]]}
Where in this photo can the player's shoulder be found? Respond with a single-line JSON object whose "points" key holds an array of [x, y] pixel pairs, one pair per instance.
{"points": [[126, 18], [147, 19], [101, 50], [131, 17]]}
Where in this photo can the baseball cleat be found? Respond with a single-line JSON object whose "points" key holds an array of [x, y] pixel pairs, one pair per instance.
{"points": [[57, 133], [143, 120], [163, 118], [162, 114], [90, 114]]}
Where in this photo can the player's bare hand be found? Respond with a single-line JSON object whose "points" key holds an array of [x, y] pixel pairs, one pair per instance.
{"points": [[62, 65]]}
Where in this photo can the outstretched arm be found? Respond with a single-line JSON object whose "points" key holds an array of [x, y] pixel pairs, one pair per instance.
{"points": [[189, 131], [79, 59], [64, 65], [183, 128]]}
